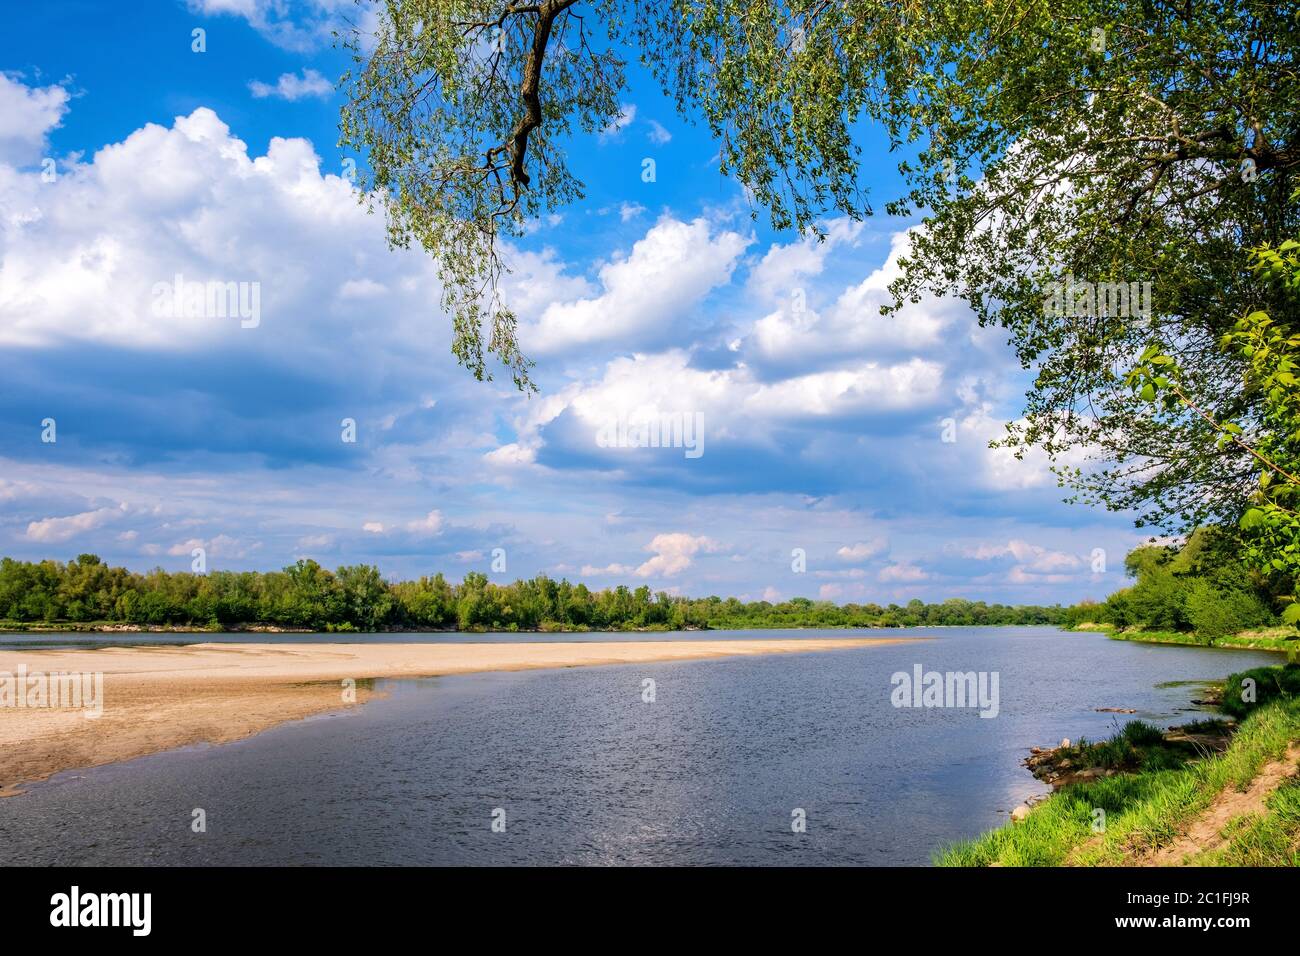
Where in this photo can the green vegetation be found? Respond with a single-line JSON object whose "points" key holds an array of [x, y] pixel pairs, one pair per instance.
{"points": [[1267, 684], [1281, 639], [1147, 809], [1200, 592], [1260, 427], [1137, 746], [88, 592]]}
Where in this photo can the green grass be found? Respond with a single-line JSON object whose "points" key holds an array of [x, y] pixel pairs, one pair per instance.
{"points": [[1147, 809], [1138, 745], [1281, 639], [1269, 684]]}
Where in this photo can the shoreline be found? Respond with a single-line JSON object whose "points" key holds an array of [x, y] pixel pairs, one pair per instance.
{"points": [[1269, 639], [162, 697]]}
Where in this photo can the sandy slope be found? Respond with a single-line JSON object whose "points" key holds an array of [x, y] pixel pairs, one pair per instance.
{"points": [[157, 698]]}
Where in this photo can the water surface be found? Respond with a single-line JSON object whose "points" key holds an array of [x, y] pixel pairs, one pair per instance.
{"points": [[588, 773]]}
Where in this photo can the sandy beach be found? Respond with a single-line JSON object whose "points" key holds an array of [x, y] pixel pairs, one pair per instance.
{"points": [[159, 698]]}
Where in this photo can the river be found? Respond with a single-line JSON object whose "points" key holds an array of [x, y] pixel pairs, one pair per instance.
{"points": [[576, 766]]}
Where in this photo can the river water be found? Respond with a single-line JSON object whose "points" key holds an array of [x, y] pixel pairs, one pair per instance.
{"points": [[574, 766]]}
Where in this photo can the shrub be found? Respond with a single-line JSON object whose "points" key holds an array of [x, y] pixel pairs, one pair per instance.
{"points": [[1270, 683]]}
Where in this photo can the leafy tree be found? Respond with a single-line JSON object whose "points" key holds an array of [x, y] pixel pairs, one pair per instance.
{"points": [[1268, 441], [1108, 140], [365, 597]]}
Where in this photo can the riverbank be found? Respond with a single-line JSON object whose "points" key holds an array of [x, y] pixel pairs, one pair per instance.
{"points": [[1157, 807], [1279, 639], [158, 698]]}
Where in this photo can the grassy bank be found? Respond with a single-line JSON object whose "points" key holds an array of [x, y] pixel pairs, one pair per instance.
{"points": [[1148, 808], [1281, 639]]}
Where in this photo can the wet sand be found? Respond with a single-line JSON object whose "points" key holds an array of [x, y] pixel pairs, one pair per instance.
{"points": [[159, 698]]}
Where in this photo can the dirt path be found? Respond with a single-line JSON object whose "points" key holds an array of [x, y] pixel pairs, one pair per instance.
{"points": [[1205, 833]]}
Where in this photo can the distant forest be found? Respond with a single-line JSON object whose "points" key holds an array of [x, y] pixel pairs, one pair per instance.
{"points": [[358, 598]]}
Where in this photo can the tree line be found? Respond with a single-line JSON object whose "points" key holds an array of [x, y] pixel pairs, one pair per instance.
{"points": [[359, 598], [1201, 586]]}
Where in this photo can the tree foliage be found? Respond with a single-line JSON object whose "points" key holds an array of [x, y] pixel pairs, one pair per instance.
{"points": [[358, 598], [1267, 441], [1201, 587]]}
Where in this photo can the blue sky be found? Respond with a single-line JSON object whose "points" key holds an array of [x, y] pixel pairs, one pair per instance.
{"points": [[823, 423]]}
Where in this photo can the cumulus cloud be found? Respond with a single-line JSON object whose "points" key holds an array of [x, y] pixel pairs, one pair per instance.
{"points": [[27, 114], [643, 295], [430, 524], [60, 529], [902, 572], [624, 119], [304, 26], [673, 553], [293, 86], [1033, 563], [221, 546], [862, 550], [808, 326], [610, 570], [92, 261]]}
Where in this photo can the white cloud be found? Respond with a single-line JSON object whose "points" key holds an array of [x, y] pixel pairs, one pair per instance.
{"points": [[645, 293], [302, 26], [430, 524], [221, 546], [100, 243], [27, 114], [783, 268], [608, 570], [903, 571], [627, 113], [850, 323], [999, 468], [291, 86], [56, 530], [657, 134], [361, 289], [1030, 558], [862, 550], [673, 553], [734, 403]]}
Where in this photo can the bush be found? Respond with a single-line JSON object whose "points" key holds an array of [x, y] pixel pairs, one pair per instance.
{"points": [[1141, 734], [1270, 683], [1214, 614]]}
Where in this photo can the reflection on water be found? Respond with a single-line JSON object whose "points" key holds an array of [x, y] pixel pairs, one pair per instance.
{"points": [[586, 772]]}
